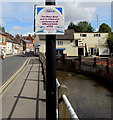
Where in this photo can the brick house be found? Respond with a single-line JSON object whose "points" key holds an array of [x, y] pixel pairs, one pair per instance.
{"points": [[2, 41], [28, 42]]}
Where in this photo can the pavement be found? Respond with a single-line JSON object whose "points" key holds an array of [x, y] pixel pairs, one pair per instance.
{"points": [[25, 95]]}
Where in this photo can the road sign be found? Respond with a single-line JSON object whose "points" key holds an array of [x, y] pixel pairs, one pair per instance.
{"points": [[49, 20]]}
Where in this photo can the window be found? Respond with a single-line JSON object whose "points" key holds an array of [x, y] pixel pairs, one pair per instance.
{"points": [[96, 35], [71, 41], [0, 37], [76, 42], [60, 42], [83, 35]]}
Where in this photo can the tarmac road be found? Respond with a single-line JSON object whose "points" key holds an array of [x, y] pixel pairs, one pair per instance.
{"points": [[10, 65]]}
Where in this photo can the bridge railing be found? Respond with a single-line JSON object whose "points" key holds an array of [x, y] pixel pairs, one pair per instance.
{"points": [[64, 107], [43, 62]]}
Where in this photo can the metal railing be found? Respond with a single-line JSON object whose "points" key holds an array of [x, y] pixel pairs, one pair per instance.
{"points": [[65, 109]]}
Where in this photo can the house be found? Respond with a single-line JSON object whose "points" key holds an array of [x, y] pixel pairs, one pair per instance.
{"points": [[11, 44], [74, 44], [62, 42], [27, 42], [2, 41], [91, 44]]}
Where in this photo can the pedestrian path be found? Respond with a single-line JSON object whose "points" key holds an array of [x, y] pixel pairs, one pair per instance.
{"points": [[25, 96]]}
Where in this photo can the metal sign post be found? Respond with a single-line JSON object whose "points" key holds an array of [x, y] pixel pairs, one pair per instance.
{"points": [[50, 73], [49, 21]]}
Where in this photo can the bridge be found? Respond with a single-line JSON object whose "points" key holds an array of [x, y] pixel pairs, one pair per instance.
{"points": [[24, 96]]}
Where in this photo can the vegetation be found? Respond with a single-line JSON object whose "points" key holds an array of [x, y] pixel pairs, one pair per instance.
{"points": [[110, 42], [104, 28], [2, 29], [82, 26], [17, 36]]}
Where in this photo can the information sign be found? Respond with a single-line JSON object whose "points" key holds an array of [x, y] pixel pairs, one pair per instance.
{"points": [[49, 20]]}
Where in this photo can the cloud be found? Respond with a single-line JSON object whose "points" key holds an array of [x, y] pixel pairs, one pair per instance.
{"points": [[21, 13], [57, 1], [16, 28], [21, 30], [76, 12]]}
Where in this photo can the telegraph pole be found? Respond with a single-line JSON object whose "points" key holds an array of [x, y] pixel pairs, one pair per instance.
{"points": [[50, 73]]}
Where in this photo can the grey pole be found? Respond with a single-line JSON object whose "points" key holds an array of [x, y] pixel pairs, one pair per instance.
{"points": [[50, 73]]}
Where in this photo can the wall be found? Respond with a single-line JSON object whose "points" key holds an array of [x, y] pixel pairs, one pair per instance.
{"points": [[98, 67], [9, 48]]}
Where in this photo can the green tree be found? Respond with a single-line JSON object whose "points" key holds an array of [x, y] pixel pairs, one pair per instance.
{"points": [[104, 28], [82, 26], [2, 29], [71, 25], [110, 42], [17, 36]]}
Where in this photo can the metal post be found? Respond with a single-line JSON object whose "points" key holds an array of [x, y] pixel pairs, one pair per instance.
{"points": [[50, 73]]}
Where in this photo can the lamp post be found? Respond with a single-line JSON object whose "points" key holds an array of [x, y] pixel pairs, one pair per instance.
{"points": [[50, 73]]}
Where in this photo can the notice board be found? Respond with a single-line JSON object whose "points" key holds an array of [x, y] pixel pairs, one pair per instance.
{"points": [[49, 20]]}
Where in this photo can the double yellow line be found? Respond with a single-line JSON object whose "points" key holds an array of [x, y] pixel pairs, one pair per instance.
{"points": [[4, 86]]}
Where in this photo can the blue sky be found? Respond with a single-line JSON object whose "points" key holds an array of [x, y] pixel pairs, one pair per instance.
{"points": [[17, 17]]}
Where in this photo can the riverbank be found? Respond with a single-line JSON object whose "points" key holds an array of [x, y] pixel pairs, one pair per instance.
{"points": [[90, 67], [88, 98]]}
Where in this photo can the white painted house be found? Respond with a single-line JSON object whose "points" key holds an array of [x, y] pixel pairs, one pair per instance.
{"points": [[74, 44], [91, 43]]}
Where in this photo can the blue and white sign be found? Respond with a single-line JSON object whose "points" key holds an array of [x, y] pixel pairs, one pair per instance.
{"points": [[49, 20]]}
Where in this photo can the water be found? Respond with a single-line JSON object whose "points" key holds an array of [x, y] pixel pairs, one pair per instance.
{"points": [[88, 98]]}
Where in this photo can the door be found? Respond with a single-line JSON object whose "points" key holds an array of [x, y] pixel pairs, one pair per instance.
{"points": [[80, 51]]}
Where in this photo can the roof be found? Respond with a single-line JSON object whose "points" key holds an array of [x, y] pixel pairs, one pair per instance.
{"points": [[69, 35], [27, 41], [2, 33], [9, 40], [29, 37]]}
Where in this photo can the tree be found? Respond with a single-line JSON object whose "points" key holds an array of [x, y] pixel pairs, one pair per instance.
{"points": [[110, 42], [82, 26], [104, 28], [2, 29], [17, 36], [71, 25]]}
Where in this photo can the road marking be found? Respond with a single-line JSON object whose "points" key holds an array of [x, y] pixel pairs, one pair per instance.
{"points": [[4, 86]]}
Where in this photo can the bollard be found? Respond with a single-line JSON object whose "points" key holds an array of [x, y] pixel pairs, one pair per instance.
{"points": [[95, 62], [107, 67], [80, 62]]}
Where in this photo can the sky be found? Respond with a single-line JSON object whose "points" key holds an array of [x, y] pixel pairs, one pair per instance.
{"points": [[17, 16]]}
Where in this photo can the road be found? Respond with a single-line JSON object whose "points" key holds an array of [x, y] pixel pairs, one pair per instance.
{"points": [[25, 98], [88, 98], [10, 65]]}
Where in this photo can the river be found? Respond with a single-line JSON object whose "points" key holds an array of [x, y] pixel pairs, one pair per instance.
{"points": [[88, 98]]}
